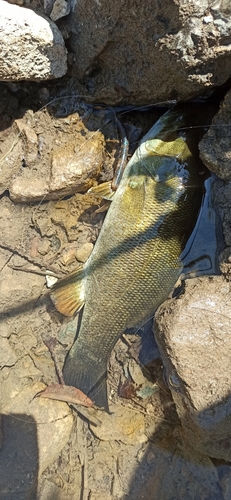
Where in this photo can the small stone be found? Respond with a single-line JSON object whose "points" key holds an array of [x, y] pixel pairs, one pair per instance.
{"points": [[60, 9], [208, 19], [84, 252], [44, 246], [5, 330]]}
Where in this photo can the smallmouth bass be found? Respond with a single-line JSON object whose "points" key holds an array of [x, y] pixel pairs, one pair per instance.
{"points": [[137, 258]]}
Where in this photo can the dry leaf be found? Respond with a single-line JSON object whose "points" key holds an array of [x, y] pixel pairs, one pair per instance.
{"points": [[66, 393]]}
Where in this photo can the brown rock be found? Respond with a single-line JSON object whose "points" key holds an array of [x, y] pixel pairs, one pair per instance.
{"points": [[84, 251], [122, 425], [61, 157], [193, 334]]}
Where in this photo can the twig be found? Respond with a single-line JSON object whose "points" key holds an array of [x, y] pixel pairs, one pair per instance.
{"points": [[33, 261], [11, 148], [51, 344]]}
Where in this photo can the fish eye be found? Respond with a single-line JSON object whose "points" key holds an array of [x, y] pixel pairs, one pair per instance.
{"points": [[173, 381]]}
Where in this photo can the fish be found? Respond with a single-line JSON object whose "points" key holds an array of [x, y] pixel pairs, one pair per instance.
{"points": [[138, 256]]}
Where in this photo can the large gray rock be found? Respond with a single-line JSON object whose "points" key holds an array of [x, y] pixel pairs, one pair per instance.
{"points": [[215, 147], [193, 334], [140, 52], [31, 47]]}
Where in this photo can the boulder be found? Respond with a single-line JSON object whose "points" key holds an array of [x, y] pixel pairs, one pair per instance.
{"points": [[193, 334], [215, 147], [31, 46], [144, 52]]}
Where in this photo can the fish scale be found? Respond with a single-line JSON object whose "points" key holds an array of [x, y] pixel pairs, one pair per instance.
{"points": [[136, 259]]}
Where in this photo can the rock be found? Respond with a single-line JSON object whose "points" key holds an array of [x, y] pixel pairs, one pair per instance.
{"points": [[149, 52], [173, 470], [50, 490], [59, 163], [10, 152], [31, 46], [193, 334], [215, 147], [84, 252], [7, 355], [34, 437], [122, 425], [73, 166], [60, 9], [26, 290]]}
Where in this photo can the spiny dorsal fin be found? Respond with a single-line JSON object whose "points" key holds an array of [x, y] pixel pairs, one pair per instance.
{"points": [[68, 293], [104, 190]]}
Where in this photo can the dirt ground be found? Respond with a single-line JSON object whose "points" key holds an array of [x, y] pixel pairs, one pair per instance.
{"points": [[50, 450]]}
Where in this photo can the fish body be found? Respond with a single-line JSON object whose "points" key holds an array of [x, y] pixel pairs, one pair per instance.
{"points": [[137, 258]]}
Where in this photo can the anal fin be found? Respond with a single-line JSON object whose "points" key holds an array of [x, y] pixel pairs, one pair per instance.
{"points": [[68, 293]]}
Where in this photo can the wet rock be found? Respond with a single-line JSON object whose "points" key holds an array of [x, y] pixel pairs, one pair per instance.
{"points": [[32, 47], [122, 425], [193, 334], [53, 422], [215, 147], [149, 52], [62, 162]]}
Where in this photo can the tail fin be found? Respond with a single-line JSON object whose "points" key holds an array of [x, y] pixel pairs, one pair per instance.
{"points": [[92, 380]]}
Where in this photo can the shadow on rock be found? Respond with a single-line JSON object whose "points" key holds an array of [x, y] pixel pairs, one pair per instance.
{"points": [[173, 470], [18, 458]]}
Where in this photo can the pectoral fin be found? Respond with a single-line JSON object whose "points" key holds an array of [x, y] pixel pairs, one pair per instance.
{"points": [[104, 190], [68, 293]]}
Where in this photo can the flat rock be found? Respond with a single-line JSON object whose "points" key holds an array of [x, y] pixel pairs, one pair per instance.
{"points": [[215, 147], [31, 46], [25, 291], [52, 420], [193, 334], [122, 425], [84, 252], [57, 164]]}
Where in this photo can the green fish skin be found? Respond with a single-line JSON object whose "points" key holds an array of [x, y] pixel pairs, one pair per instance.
{"points": [[137, 258]]}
